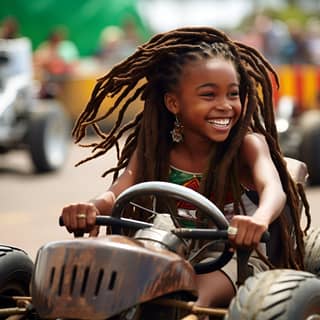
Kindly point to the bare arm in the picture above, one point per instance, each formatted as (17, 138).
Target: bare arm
(104, 202)
(82, 216)
(256, 157)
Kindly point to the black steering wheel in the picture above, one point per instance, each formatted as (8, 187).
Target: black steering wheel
(178, 192)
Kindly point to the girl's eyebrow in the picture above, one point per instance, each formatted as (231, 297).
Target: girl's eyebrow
(214, 85)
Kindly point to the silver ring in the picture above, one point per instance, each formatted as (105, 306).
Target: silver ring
(81, 216)
(232, 231)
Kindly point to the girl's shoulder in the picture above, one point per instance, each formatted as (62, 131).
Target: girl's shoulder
(253, 144)
(254, 138)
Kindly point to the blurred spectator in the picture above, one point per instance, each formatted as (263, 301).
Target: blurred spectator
(55, 60)
(274, 34)
(296, 50)
(9, 28)
(110, 49)
(249, 36)
(313, 40)
(132, 37)
(56, 55)
(117, 43)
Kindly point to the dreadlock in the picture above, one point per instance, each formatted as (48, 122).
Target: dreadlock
(154, 69)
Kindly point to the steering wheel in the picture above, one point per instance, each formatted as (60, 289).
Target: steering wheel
(178, 192)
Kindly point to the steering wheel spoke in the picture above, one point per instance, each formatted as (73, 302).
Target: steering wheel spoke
(169, 190)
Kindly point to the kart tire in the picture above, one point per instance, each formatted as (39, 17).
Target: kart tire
(278, 295)
(15, 273)
(48, 138)
(312, 252)
(310, 144)
(310, 154)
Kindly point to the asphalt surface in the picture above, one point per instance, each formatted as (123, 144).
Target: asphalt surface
(30, 204)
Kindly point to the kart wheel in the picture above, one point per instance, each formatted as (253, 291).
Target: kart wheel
(310, 153)
(278, 295)
(15, 273)
(312, 252)
(310, 144)
(48, 138)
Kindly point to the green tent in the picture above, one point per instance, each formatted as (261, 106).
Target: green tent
(83, 19)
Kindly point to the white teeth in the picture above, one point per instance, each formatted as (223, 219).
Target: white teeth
(220, 122)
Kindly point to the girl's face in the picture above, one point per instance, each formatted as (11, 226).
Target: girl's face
(206, 100)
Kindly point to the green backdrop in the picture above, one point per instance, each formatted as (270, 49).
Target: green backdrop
(84, 19)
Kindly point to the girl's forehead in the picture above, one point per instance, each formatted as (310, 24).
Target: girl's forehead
(214, 64)
(210, 70)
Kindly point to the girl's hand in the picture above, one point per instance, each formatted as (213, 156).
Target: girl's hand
(246, 231)
(81, 217)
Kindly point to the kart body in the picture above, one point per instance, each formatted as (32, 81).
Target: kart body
(101, 278)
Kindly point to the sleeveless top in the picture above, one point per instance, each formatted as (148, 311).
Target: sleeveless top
(192, 180)
(187, 212)
(186, 179)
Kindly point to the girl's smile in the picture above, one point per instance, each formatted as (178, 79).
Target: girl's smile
(222, 123)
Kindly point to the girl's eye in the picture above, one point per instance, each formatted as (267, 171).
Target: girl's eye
(234, 94)
(207, 94)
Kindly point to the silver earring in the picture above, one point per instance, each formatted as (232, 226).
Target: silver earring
(177, 131)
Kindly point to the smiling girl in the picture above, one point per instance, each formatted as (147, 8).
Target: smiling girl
(207, 123)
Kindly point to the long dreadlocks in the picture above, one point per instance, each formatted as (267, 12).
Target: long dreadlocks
(153, 70)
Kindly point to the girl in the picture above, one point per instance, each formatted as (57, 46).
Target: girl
(208, 118)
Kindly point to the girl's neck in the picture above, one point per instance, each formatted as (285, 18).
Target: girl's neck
(189, 158)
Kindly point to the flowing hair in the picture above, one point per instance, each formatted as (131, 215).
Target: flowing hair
(154, 69)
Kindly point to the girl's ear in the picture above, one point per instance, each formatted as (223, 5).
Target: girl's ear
(171, 103)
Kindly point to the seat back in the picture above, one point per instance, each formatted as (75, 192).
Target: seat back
(299, 172)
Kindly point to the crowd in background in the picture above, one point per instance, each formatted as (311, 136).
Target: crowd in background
(57, 56)
(281, 43)
(284, 43)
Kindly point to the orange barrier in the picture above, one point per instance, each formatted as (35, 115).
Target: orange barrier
(301, 81)
(76, 93)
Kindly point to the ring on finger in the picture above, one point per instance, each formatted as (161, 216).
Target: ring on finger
(81, 216)
(232, 231)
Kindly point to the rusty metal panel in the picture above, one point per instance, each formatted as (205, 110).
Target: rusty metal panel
(98, 278)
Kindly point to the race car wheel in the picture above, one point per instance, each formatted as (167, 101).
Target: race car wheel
(312, 252)
(278, 295)
(15, 273)
(48, 138)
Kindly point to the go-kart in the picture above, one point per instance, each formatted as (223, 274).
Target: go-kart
(149, 273)
(28, 122)
(299, 136)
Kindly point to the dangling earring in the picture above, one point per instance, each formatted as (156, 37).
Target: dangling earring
(177, 131)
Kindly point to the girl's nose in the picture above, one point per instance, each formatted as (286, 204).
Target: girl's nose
(223, 105)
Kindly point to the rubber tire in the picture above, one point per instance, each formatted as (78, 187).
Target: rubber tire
(16, 269)
(312, 252)
(310, 154)
(282, 294)
(51, 123)
(309, 151)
